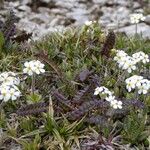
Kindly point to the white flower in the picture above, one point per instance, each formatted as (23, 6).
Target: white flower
(29, 67)
(124, 61)
(9, 92)
(116, 104)
(97, 91)
(9, 78)
(34, 66)
(120, 55)
(141, 56)
(4, 93)
(144, 86)
(136, 79)
(145, 59)
(130, 84)
(38, 67)
(14, 93)
(102, 90)
(110, 98)
(129, 64)
(89, 23)
(136, 18)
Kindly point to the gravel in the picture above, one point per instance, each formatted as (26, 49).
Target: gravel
(46, 16)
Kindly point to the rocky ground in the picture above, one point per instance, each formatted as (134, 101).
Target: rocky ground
(43, 16)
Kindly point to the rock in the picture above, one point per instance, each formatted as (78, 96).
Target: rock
(140, 10)
(24, 8)
(14, 4)
(104, 23)
(59, 11)
(123, 2)
(44, 10)
(79, 14)
(136, 5)
(25, 2)
(147, 20)
(142, 29)
(46, 1)
(41, 18)
(112, 26)
(65, 13)
(101, 2)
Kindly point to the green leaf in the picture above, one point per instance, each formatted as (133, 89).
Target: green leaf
(2, 41)
(34, 98)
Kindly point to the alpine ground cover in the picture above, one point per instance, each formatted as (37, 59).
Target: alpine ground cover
(81, 88)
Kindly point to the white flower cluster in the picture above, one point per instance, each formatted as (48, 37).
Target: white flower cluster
(108, 97)
(127, 62)
(9, 78)
(136, 18)
(140, 57)
(138, 82)
(34, 66)
(8, 86)
(89, 23)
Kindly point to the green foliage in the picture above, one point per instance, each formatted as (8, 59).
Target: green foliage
(134, 126)
(2, 119)
(31, 145)
(73, 59)
(27, 124)
(33, 98)
(2, 41)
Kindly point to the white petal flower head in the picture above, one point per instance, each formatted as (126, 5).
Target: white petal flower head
(110, 98)
(144, 86)
(4, 93)
(116, 104)
(145, 59)
(29, 67)
(88, 23)
(130, 84)
(120, 55)
(9, 78)
(39, 67)
(136, 79)
(136, 18)
(129, 65)
(105, 91)
(34, 66)
(6, 79)
(141, 57)
(14, 93)
(102, 90)
(98, 90)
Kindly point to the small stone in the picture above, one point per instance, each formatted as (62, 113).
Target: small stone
(24, 8)
(46, 1)
(101, 2)
(142, 29)
(112, 26)
(25, 2)
(147, 20)
(136, 5)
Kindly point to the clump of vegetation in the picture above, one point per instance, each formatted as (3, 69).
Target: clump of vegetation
(76, 89)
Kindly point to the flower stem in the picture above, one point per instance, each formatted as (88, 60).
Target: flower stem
(136, 29)
(33, 84)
